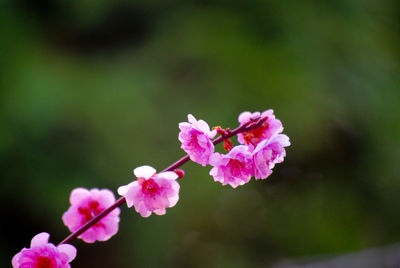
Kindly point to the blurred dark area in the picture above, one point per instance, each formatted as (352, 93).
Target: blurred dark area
(89, 90)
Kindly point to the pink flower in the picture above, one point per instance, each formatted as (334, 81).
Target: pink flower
(43, 254)
(268, 153)
(270, 127)
(85, 205)
(234, 168)
(151, 192)
(195, 137)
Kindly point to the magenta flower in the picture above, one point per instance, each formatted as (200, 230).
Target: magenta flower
(85, 205)
(43, 254)
(268, 153)
(234, 168)
(270, 127)
(151, 192)
(195, 137)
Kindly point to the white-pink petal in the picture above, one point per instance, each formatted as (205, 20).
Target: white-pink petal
(161, 211)
(69, 250)
(144, 172)
(268, 112)
(40, 239)
(191, 119)
(123, 190)
(169, 175)
(244, 116)
(107, 197)
(142, 209)
(203, 126)
(15, 259)
(77, 195)
(284, 140)
(173, 200)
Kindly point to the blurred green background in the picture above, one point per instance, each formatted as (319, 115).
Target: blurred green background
(92, 89)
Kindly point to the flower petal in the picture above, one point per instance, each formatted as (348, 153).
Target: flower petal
(244, 117)
(161, 211)
(107, 197)
(203, 126)
(122, 190)
(143, 210)
(40, 239)
(15, 259)
(144, 172)
(133, 194)
(173, 200)
(191, 119)
(89, 236)
(77, 195)
(69, 250)
(169, 175)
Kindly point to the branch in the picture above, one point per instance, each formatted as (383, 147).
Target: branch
(251, 125)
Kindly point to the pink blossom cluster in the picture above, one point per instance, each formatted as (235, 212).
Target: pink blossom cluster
(94, 216)
(44, 254)
(261, 148)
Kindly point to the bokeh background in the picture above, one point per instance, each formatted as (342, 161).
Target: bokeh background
(92, 89)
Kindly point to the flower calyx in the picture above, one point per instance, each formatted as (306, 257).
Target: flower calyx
(224, 133)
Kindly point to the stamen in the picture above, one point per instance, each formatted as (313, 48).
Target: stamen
(150, 187)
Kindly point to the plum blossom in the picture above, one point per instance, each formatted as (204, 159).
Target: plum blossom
(268, 153)
(43, 254)
(195, 137)
(270, 127)
(234, 168)
(85, 205)
(151, 192)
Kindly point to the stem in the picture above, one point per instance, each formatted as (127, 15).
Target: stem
(253, 124)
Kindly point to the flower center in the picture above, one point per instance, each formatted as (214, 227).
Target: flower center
(44, 262)
(90, 211)
(193, 143)
(256, 135)
(236, 167)
(150, 187)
